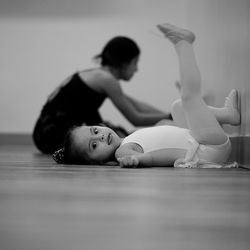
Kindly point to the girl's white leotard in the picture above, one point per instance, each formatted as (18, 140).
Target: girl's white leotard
(171, 137)
(160, 137)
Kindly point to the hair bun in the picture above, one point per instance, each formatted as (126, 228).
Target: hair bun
(59, 156)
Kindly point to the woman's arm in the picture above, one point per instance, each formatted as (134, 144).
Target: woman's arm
(138, 118)
(143, 107)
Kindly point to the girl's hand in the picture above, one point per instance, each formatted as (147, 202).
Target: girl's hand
(128, 161)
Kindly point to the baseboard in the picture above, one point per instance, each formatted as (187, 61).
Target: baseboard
(15, 139)
(240, 150)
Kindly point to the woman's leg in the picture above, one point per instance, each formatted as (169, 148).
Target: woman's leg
(201, 121)
(229, 114)
(50, 130)
(48, 136)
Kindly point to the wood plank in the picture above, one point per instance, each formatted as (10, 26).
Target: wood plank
(48, 206)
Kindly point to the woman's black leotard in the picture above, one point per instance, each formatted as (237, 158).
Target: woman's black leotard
(70, 105)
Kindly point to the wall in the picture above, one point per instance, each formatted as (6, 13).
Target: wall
(44, 41)
(223, 51)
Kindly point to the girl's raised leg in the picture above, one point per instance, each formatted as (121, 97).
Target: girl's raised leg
(201, 121)
(228, 114)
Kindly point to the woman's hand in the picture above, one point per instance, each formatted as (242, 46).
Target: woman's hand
(128, 161)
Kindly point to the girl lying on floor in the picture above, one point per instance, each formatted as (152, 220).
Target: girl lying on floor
(203, 142)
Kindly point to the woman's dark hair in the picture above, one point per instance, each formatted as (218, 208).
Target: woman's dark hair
(118, 51)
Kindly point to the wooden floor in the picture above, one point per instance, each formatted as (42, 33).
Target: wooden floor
(44, 206)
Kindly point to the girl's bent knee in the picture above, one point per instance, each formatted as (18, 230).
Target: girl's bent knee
(176, 106)
(210, 137)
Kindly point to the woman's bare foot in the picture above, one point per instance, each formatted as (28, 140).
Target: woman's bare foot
(176, 34)
(231, 106)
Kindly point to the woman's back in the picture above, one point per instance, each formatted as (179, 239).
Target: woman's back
(74, 97)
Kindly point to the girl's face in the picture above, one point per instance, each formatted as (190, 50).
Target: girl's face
(96, 143)
(128, 70)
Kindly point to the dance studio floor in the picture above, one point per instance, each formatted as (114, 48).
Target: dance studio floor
(45, 206)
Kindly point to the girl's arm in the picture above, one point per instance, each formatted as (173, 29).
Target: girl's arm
(128, 155)
(138, 118)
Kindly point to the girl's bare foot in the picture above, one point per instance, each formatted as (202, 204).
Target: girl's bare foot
(176, 34)
(231, 105)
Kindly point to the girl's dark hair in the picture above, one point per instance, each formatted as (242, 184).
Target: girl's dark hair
(118, 51)
(70, 154)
